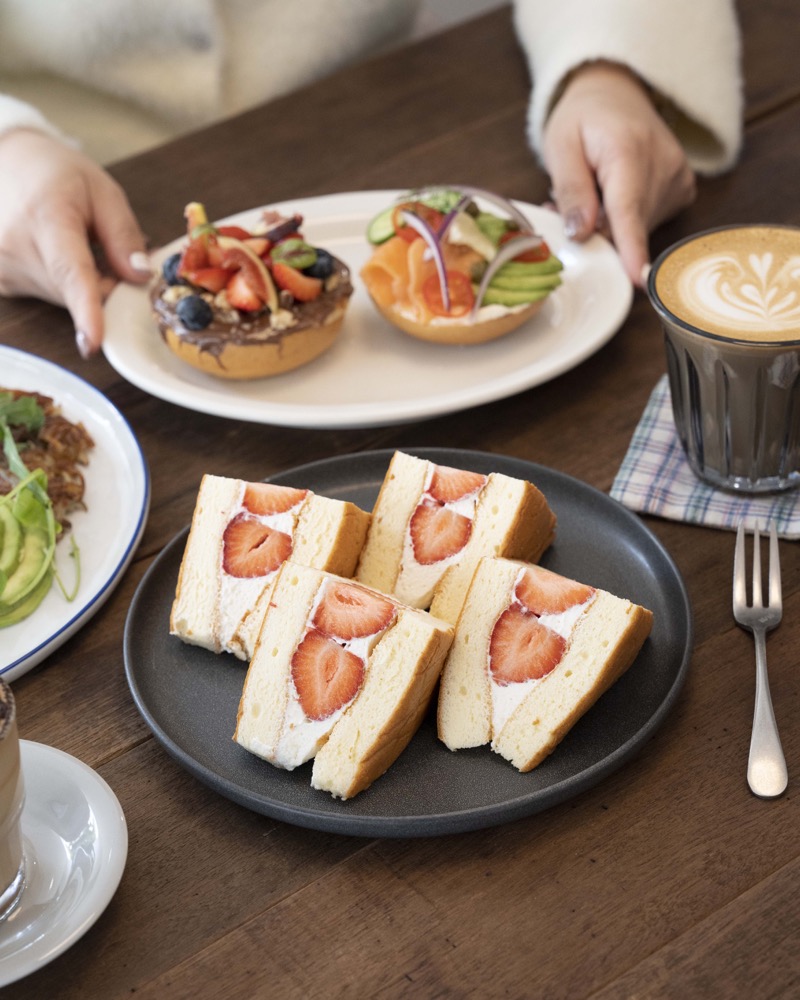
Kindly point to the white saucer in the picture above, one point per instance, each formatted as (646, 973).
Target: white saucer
(76, 842)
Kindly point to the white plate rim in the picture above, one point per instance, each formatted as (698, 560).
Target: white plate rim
(134, 349)
(110, 839)
(52, 380)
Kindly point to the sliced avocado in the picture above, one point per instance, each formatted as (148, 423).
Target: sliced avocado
(10, 540)
(25, 607)
(492, 226)
(33, 563)
(525, 282)
(550, 266)
(506, 297)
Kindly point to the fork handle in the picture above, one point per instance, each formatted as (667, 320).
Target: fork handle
(766, 767)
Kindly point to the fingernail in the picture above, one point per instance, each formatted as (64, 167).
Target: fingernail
(644, 275)
(84, 345)
(139, 261)
(573, 223)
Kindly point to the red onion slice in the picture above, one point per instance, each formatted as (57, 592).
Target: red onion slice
(508, 251)
(495, 199)
(432, 240)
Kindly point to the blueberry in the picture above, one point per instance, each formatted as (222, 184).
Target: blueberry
(322, 266)
(195, 313)
(170, 270)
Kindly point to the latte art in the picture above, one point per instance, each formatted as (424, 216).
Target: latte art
(758, 293)
(742, 283)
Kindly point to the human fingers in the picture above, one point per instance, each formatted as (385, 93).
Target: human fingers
(72, 277)
(574, 189)
(624, 203)
(117, 230)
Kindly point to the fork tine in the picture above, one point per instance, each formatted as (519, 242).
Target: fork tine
(774, 568)
(739, 585)
(758, 593)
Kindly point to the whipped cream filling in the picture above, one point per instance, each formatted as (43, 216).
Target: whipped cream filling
(416, 582)
(301, 737)
(506, 698)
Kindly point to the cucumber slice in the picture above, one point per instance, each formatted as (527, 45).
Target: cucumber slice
(381, 228)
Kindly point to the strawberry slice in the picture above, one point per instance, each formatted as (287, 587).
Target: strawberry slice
(301, 286)
(251, 548)
(194, 257)
(448, 485)
(267, 498)
(521, 648)
(348, 611)
(213, 279)
(546, 593)
(326, 675)
(241, 295)
(437, 532)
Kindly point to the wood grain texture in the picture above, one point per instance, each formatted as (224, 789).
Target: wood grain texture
(667, 880)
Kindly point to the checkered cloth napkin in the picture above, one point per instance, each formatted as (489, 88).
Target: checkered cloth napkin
(655, 478)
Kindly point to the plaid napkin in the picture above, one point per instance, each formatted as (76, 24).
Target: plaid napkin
(655, 478)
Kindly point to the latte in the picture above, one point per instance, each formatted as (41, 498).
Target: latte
(738, 282)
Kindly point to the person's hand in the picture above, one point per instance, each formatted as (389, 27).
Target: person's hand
(54, 203)
(614, 162)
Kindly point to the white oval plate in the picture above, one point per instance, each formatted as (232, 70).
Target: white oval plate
(117, 499)
(75, 840)
(375, 374)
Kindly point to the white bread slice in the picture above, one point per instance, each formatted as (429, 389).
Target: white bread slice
(214, 609)
(356, 743)
(526, 721)
(402, 673)
(511, 518)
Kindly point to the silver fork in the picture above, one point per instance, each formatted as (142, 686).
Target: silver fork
(766, 767)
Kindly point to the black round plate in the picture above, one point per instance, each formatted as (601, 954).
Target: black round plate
(189, 696)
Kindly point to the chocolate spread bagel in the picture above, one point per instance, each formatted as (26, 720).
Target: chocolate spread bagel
(242, 305)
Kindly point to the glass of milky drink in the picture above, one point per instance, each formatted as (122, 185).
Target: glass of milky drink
(12, 797)
(729, 303)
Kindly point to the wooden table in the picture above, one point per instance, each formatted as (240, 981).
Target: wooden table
(667, 879)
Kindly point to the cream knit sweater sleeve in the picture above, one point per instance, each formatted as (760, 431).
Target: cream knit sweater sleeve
(686, 50)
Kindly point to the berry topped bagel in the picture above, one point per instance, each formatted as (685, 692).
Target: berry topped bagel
(448, 269)
(245, 304)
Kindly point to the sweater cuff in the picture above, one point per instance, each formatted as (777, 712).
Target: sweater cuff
(16, 114)
(687, 52)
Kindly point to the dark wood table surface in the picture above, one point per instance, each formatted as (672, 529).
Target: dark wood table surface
(668, 878)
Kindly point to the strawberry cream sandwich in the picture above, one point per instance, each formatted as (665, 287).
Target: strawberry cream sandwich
(533, 652)
(241, 534)
(340, 673)
(432, 524)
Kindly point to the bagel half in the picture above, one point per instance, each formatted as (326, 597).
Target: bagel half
(462, 332)
(226, 355)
